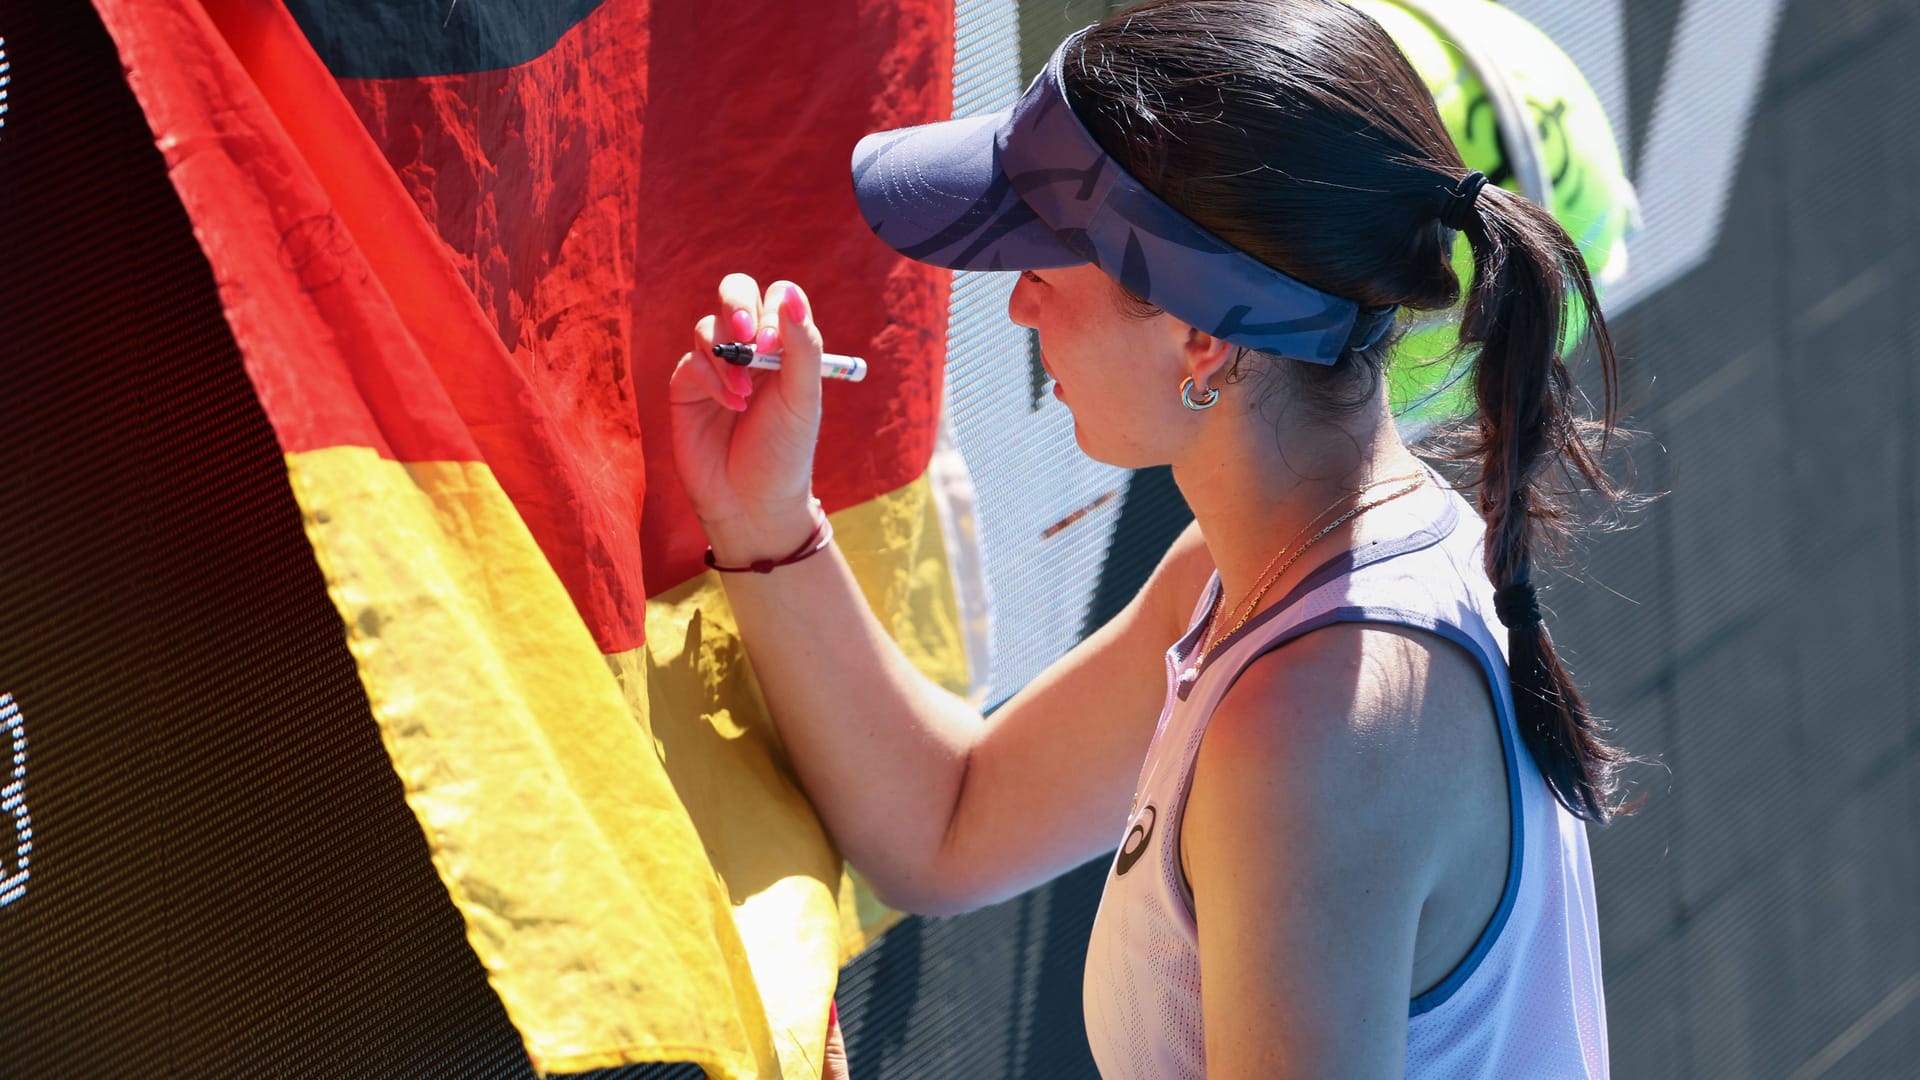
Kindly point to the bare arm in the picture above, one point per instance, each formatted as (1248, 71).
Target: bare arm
(940, 809)
(1051, 774)
(1308, 933)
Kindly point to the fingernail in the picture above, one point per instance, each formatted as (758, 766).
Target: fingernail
(767, 342)
(742, 326)
(794, 306)
(736, 403)
(739, 382)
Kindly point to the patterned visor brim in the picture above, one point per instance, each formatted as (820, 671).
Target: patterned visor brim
(1030, 188)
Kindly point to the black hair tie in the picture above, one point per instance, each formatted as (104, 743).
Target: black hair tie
(1458, 210)
(1516, 605)
(1369, 327)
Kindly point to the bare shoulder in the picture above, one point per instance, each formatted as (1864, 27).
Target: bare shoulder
(1313, 843)
(1377, 725)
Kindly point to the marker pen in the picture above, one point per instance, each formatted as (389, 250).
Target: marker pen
(832, 365)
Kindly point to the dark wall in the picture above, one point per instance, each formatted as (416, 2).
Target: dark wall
(1758, 918)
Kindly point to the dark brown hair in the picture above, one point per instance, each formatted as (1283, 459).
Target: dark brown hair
(1297, 131)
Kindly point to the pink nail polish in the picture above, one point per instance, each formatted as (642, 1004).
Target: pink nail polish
(794, 307)
(767, 342)
(742, 326)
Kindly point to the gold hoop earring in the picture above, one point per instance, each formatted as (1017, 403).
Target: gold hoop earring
(1186, 396)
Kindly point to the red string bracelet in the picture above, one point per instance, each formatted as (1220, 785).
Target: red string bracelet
(816, 542)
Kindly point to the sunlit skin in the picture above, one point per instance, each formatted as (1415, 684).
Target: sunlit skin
(1345, 833)
(1253, 475)
(1344, 836)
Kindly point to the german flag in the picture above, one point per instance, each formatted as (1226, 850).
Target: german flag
(460, 246)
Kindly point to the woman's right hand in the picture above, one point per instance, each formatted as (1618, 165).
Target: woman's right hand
(743, 440)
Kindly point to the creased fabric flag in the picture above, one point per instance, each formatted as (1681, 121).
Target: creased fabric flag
(460, 251)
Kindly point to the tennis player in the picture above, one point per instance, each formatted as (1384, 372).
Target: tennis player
(1340, 774)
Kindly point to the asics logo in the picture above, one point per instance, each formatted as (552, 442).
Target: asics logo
(1136, 843)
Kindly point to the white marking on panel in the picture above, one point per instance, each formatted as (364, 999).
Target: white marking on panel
(1695, 135)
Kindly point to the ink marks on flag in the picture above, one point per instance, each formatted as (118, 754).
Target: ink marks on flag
(315, 250)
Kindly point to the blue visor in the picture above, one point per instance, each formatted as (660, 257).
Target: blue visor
(1030, 189)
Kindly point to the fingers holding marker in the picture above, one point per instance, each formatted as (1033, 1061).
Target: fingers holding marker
(800, 345)
(693, 382)
(797, 337)
(766, 338)
(739, 292)
(793, 307)
(740, 311)
(737, 378)
(784, 328)
(716, 375)
(742, 325)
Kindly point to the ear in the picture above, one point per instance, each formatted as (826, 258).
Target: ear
(1206, 357)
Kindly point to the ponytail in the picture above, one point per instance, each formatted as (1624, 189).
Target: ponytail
(1526, 433)
(1313, 145)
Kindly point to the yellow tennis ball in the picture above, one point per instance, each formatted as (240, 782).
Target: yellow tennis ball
(1588, 190)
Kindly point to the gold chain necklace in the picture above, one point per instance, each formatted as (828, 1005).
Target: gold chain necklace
(1268, 581)
(1212, 616)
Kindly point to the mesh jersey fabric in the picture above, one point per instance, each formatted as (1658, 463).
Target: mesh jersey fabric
(1526, 1002)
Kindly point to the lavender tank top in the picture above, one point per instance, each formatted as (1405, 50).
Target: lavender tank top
(1525, 1002)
